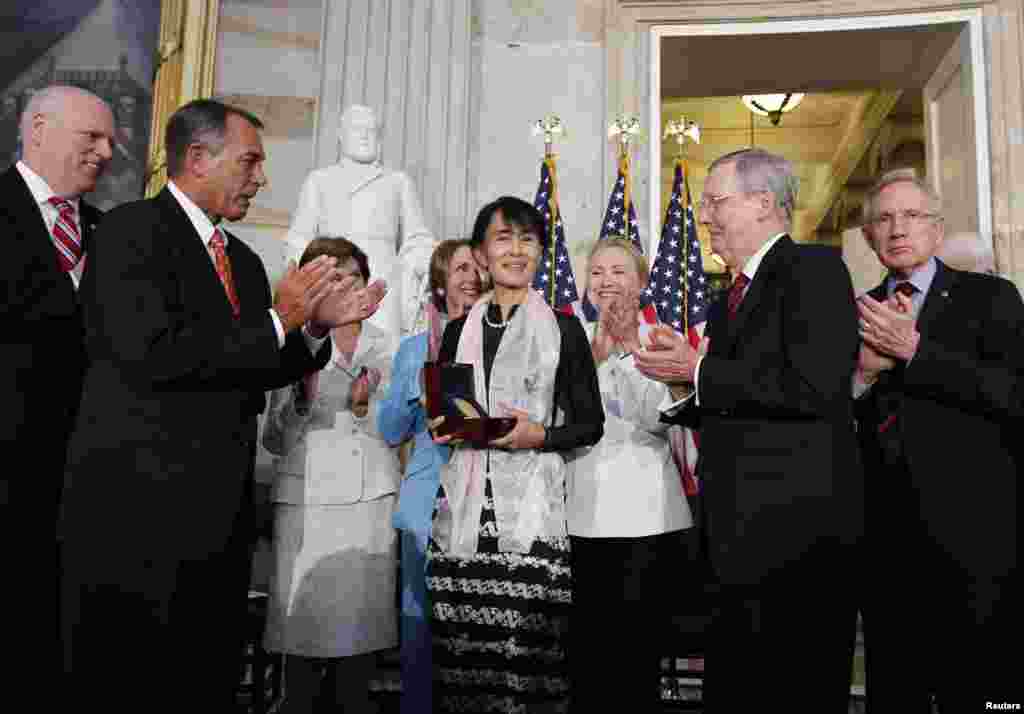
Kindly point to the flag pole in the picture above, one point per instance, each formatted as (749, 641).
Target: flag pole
(549, 159)
(549, 127)
(680, 129)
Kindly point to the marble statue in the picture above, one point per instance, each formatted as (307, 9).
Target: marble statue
(377, 209)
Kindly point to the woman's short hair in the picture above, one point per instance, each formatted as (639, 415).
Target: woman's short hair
(516, 212)
(339, 248)
(627, 246)
(440, 259)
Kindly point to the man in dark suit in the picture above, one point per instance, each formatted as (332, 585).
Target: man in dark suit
(939, 404)
(183, 339)
(782, 484)
(46, 228)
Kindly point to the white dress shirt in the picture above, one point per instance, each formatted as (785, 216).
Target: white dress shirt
(204, 228)
(42, 193)
(750, 270)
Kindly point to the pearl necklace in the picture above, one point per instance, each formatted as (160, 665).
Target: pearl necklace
(499, 326)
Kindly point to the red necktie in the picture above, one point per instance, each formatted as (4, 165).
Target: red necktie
(65, 234)
(736, 294)
(223, 265)
(905, 288)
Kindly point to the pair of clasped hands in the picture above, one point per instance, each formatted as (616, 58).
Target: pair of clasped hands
(321, 297)
(888, 333)
(666, 357)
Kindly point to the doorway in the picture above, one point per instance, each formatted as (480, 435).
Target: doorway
(873, 65)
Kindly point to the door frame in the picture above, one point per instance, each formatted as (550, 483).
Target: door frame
(972, 18)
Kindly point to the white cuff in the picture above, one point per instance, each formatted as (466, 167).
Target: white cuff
(313, 343)
(696, 380)
(278, 328)
(669, 407)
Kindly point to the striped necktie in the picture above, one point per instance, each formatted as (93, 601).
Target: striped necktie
(223, 265)
(66, 237)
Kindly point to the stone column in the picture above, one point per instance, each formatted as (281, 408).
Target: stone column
(411, 61)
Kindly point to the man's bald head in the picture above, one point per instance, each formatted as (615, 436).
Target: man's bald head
(67, 138)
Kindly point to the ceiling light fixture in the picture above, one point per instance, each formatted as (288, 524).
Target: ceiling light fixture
(772, 106)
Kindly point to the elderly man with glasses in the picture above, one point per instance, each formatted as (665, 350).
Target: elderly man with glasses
(781, 507)
(938, 402)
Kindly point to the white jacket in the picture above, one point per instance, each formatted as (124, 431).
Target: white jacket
(627, 485)
(327, 455)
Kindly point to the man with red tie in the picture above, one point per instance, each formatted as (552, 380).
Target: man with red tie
(183, 339)
(781, 505)
(46, 229)
(939, 403)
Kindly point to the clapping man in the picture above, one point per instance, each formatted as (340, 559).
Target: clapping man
(183, 339)
(781, 479)
(939, 405)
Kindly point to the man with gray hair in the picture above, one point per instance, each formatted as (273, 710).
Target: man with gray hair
(782, 487)
(939, 406)
(46, 227)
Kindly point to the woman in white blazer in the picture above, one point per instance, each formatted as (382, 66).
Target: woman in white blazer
(628, 519)
(332, 599)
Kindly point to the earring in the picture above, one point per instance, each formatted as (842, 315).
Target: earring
(440, 292)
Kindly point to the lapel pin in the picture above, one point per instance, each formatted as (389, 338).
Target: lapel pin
(945, 293)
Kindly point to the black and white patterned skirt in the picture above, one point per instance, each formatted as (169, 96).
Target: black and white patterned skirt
(500, 624)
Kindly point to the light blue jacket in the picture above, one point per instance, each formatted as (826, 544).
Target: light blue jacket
(400, 415)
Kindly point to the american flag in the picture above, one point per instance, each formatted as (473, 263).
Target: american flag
(619, 220)
(615, 217)
(554, 278)
(678, 288)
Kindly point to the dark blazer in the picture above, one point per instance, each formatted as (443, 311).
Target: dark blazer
(41, 354)
(961, 409)
(778, 455)
(161, 460)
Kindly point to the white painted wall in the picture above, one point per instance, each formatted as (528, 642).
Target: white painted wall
(537, 58)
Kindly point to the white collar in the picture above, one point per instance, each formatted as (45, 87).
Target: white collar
(200, 221)
(754, 262)
(41, 191)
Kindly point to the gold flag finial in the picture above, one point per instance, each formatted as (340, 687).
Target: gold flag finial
(550, 127)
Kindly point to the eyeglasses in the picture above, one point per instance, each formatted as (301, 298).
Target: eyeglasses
(710, 201)
(911, 217)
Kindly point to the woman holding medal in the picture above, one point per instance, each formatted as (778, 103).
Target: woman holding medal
(498, 560)
(454, 288)
(334, 568)
(629, 521)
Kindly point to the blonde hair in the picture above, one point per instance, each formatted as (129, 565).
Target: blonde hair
(626, 245)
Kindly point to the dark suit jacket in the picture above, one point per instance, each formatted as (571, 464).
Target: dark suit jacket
(778, 456)
(961, 410)
(41, 355)
(160, 464)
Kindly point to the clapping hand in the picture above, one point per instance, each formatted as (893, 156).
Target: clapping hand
(301, 291)
(344, 306)
(669, 357)
(622, 321)
(888, 327)
(362, 389)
